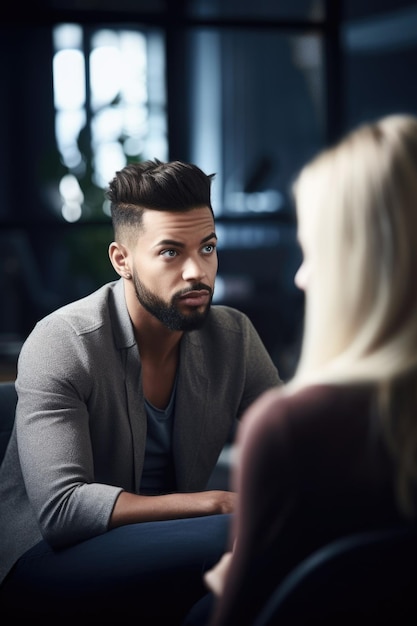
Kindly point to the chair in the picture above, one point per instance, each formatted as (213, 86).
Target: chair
(8, 400)
(368, 578)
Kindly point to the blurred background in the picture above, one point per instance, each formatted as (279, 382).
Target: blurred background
(246, 90)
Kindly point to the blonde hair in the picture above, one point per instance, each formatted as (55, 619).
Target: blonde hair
(357, 216)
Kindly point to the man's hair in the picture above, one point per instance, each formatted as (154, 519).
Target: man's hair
(174, 186)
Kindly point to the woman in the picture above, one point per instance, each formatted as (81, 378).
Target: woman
(334, 452)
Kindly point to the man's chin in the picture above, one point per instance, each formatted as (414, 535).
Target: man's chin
(194, 322)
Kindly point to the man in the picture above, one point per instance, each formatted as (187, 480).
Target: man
(125, 401)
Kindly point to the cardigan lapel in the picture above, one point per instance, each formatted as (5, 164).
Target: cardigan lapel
(192, 410)
(136, 411)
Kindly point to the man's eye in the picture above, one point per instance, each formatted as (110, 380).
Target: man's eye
(209, 248)
(169, 253)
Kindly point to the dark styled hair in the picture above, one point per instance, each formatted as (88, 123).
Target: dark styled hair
(172, 186)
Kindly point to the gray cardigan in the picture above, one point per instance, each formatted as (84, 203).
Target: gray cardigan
(80, 430)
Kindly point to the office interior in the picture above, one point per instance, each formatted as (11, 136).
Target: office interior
(246, 90)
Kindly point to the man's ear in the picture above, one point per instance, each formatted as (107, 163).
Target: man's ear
(119, 257)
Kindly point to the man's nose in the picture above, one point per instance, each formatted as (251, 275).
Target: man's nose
(193, 269)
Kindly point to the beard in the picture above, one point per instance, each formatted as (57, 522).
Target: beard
(169, 314)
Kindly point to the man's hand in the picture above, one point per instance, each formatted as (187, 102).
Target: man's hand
(215, 577)
(218, 501)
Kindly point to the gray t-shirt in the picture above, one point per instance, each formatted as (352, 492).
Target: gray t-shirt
(158, 470)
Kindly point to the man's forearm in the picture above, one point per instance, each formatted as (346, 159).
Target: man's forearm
(132, 508)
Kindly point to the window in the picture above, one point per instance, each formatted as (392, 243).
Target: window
(257, 113)
(109, 109)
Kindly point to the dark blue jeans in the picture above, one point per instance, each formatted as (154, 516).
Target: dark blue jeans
(151, 571)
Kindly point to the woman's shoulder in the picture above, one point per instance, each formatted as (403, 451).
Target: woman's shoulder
(311, 407)
(287, 399)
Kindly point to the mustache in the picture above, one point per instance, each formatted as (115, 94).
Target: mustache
(195, 287)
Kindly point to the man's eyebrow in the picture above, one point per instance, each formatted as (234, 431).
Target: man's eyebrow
(180, 244)
(211, 236)
(169, 242)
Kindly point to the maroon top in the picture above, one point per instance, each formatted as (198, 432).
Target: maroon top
(314, 467)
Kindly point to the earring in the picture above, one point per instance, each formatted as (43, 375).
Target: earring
(128, 276)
